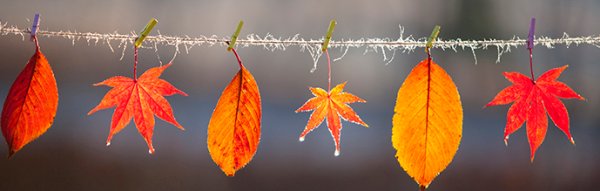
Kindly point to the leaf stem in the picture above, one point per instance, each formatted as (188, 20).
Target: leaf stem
(37, 45)
(428, 54)
(135, 62)
(531, 64)
(237, 57)
(329, 70)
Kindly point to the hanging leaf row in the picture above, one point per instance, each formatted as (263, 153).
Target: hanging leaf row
(427, 120)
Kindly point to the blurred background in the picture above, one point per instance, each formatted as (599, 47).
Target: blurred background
(72, 154)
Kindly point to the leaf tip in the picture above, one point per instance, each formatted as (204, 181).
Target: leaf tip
(532, 156)
(178, 126)
(336, 153)
(301, 139)
(230, 174)
(506, 140)
(107, 143)
(151, 150)
(572, 141)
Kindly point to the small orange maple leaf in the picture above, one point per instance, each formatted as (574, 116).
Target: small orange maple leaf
(331, 105)
(140, 99)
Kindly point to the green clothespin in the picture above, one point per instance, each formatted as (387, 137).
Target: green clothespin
(235, 35)
(145, 32)
(328, 35)
(432, 37)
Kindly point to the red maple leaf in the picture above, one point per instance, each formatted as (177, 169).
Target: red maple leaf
(532, 99)
(331, 105)
(140, 99)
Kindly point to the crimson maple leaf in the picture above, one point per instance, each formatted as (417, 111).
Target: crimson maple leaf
(532, 99)
(331, 105)
(140, 99)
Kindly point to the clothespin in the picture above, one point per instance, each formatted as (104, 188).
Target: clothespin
(432, 37)
(35, 26)
(235, 35)
(145, 32)
(531, 34)
(328, 35)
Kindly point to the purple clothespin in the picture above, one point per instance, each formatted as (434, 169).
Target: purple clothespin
(35, 25)
(531, 34)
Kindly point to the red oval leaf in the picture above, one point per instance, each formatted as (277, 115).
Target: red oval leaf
(31, 104)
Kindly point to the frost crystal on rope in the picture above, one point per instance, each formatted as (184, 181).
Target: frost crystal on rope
(313, 47)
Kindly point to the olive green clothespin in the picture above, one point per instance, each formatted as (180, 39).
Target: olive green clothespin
(432, 37)
(235, 35)
(145, 32)
(328, 35)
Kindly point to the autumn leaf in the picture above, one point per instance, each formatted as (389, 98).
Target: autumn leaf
(31, 104)
(140, 99)
(331, 105)
(532, 99)
(234, 128)
(427, 123)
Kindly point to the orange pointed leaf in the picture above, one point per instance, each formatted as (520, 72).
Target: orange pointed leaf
(31, 104)
(427, 124)
(139, 99)
(234, 128)
(532, 99)
(331, 106)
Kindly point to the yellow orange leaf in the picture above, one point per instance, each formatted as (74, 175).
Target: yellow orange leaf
(234, 128)
(427, 124)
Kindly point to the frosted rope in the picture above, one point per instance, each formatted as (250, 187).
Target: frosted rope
(272, 43)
